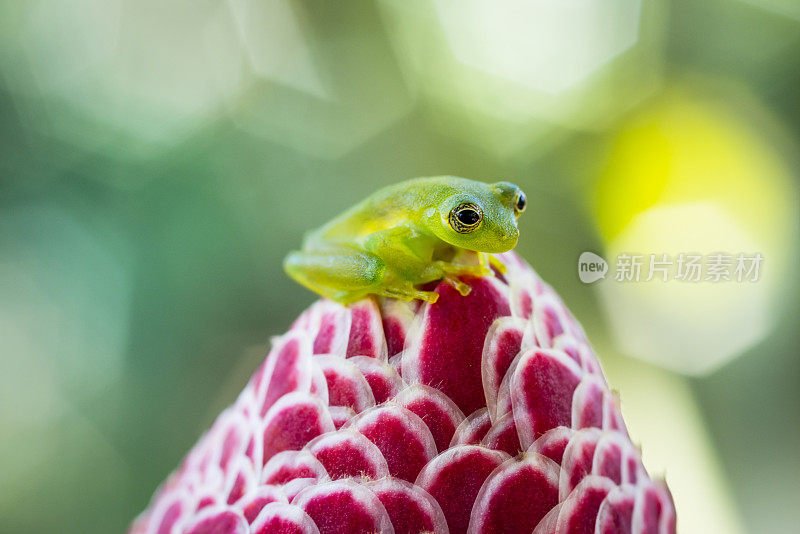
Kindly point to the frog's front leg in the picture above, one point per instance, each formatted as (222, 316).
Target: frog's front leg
(495, 262)
(485, 263)
(469, 263)
(407, 253)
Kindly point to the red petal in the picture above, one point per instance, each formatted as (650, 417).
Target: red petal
(411, 508)
(581, 352)
(473, 429)
(503, 436)
(435, 408)
(653, 510)
(346, 385)
(283, 518)
(366, 331)
(341, 415)
(168, 510)
(241, 479)
(332, 326)
(608, 456)
(552, 443)
(344, 507)
(292, 422)
(294, 487)
(667, 524)
(383, 380)
(616, 511)
(516, 496)
(454, 479)
(348, 453)
(522, 296)
(542, 387)
(579, 512)
(503, 342)
(447, 343)
(398, 316)
(215, 520)
(401, 436)
(252, 505)
(235, 430)
(587, 403)
(578, 459)
(612, 416)
(288, 369)
(289, 465)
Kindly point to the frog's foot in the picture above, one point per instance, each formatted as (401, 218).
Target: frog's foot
(458, 285)
(427, 296)
(499, 266)
(409, 294)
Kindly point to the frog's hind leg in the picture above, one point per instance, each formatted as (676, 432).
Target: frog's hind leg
(342, 274)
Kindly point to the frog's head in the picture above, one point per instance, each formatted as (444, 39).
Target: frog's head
(481, 217)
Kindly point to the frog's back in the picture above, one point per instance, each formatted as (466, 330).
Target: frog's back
(389, 207)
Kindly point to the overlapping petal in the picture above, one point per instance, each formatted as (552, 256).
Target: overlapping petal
(481, 413)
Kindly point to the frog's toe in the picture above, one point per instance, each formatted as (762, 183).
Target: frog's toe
(483, 271)
(429, 296)
(495, 262)
(458, 285)
(409, 293)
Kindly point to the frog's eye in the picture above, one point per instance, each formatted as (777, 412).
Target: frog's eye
(520, 203)
(466, 217)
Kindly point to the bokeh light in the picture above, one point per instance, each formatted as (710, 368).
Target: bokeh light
(81, 71)
(538, 68)
(547, 46)
(680, 179)
(159, 159)
(64, 318)
(65, 301)
(687, 460)
(276, 45)
(787, 8)
(654, 320)
(322, 94)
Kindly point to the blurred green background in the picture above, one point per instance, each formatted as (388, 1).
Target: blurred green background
(158, 159)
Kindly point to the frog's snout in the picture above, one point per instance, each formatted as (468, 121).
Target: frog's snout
(511, 235)
(507, 239)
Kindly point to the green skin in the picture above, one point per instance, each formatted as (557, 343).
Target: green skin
(405, 235)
